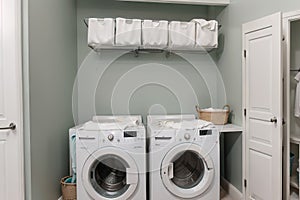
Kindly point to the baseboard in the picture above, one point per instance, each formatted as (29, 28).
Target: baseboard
(233, 192)
(60, 198)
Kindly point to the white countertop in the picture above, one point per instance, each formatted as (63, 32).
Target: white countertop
(229, 128)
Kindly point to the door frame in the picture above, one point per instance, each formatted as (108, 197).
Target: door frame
(288, 18)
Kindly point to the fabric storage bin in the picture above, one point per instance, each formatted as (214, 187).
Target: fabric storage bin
(101, 32)
(206, 33)
(155, 33)
(181, 34)
(128, 32)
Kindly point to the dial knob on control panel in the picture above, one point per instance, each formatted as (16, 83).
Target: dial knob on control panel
(187, 136)
(110, 137)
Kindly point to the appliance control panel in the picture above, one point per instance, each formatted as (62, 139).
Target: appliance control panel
(121, 136)
(196, 134)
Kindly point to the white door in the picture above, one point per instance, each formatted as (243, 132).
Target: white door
(11, 141)
(263, 103)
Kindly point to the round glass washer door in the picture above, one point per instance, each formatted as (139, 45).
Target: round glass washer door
(185, 171)
(110, 173)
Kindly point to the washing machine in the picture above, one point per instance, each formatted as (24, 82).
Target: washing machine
(110, 158)
(184, 159)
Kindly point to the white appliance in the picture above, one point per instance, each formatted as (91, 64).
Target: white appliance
(111, 160)
(183, 160)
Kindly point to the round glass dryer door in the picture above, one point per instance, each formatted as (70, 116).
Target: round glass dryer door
(110, 173)
(185, 172)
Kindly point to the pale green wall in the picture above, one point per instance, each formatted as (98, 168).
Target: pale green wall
(50, 41)
(96, 83)
(52, 67)
(229, 60)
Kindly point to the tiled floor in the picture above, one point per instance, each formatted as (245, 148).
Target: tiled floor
(224, 195)
(227, 197)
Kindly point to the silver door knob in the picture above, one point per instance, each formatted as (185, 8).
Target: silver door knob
(12, 126)
(273, 120)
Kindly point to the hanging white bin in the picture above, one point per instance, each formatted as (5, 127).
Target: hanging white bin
(128, 32)
(155, 33)
(181, 34)
(206, 33)
(101, 32)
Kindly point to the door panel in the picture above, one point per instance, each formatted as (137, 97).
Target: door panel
(263, 101)
(2, 169)
(260, 174)
(260, 131)
(1, 67)
(2, 112)
(260, 47)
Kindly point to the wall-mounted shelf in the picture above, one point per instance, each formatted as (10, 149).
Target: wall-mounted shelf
(193, 2)
(167, 51)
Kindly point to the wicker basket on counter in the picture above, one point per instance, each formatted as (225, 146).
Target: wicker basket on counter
(218, 117)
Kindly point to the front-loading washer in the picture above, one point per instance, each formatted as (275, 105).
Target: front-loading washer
(183, 160)
(111, 160)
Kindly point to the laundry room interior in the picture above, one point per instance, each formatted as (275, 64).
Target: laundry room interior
(66, 83)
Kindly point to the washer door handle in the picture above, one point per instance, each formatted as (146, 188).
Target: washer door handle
(131, 176)
(171, 170)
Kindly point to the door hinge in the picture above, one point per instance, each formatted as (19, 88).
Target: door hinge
(245, 53)
(245, 112)
(245, 183)
(283, 121)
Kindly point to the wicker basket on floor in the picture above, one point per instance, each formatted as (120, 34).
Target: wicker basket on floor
(216, 117)
(68, 189)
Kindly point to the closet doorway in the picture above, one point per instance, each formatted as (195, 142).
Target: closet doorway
(291, 69)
